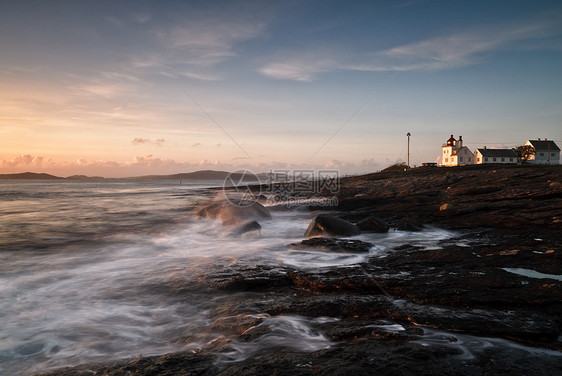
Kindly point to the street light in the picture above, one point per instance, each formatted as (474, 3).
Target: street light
(408, 134)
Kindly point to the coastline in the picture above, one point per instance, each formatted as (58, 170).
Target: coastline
(389, 308)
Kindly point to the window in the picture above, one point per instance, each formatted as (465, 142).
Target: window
(511, 159)
(478, 160)
(461, 159)
(552, 154)
(503, 159)
(494, 159)
(469, 159)
(446, 159)
(486, 159)
(541, 154)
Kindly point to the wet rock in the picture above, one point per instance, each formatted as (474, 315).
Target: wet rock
(523, 325)
(327, 225)
(247, 278)
(409, 226)
(335, 281)
(332, 244)
(230, 214)
(246, 227)
(372, 224)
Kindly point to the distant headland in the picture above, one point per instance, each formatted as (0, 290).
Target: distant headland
(197, 175)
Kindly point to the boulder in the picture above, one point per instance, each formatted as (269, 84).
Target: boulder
(372, 224)
(246, 227)
(230, 214)
(331, 244)
(329, 226)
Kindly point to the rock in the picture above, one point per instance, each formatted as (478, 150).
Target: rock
(327, 225)
(246, 227)
(244, 278)
(230, 214)
(409, 226)
(555, 186)
(372, 224)
(340, 245)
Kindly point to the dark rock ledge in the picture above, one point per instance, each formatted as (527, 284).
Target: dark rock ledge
(506, 217)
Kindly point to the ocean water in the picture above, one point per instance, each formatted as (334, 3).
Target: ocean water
(104, 270)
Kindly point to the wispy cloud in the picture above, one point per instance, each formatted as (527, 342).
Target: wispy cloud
(439, 53)
(207, 40)
(299, 69)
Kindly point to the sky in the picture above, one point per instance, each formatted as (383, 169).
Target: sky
(128, 88)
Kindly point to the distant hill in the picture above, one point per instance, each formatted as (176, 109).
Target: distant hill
(84, 177)
(197, 175)
(28, 176)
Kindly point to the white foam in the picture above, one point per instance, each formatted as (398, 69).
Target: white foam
(288, 331)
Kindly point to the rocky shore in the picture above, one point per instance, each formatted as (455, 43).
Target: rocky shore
(469, 306)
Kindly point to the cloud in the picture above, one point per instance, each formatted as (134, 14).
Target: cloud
(303, 66)
(439, 53)
(297, 70)
(201, 76)
(151, 164)
(345, 168)
(197, 144)
(140, 141)
(204, 40)
(25, 161)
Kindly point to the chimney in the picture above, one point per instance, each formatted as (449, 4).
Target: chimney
(484, 147)
(546, 139)
(538, 139)
(460, 141)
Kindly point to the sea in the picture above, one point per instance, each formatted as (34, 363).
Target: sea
(103, 270)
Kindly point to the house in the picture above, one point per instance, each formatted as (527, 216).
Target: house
(546, 152)
(455, 154)
(503, 156)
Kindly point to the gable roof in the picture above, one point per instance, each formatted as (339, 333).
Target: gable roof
(544, 145)
(456, 152)
(497, 153)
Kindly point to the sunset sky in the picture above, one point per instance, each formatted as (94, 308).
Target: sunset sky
(126, 88)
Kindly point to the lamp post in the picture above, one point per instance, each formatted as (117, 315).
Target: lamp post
(408, 134)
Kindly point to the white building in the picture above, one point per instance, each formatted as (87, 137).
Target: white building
(503, 156)
(455, 154)
(546, 152)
